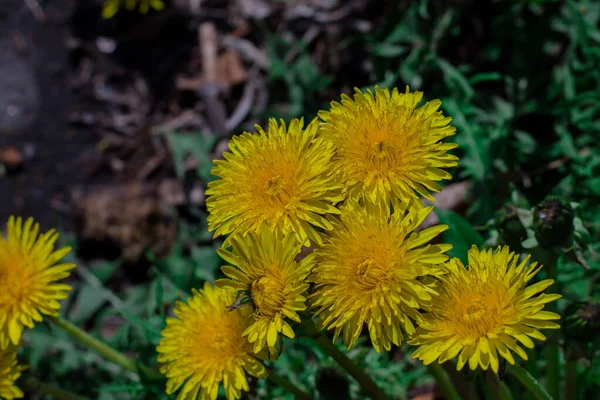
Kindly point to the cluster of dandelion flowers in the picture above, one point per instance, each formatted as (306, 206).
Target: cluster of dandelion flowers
(10, 371)
(269, 275)
(29, 277)
(388, 147)
(111, 7)
(203, 346)
(369, 271)
(485, 311)
(282, 177)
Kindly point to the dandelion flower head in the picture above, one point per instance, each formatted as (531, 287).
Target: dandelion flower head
(202, 347)
(485, 311)
(111, 7)
(10, 371)
(387, 146)
(281, 177)
(274, 281)
(30, 271)
(368, 271)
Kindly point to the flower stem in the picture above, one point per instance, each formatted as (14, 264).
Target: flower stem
(33, 384)
(464, 388)
(288, 385)
(444, 383)
(105, 350)
(531, 366)
(347, 364)
(571, 379)
(499, 388)
(552, 349)
(529, 382)
(327, 346)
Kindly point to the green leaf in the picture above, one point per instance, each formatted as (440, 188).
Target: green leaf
(388, 49)
(206, 262)
(476, 145)
(455, 78)
(199, 146)
(88, 300)
(460, 234)
(485, 77)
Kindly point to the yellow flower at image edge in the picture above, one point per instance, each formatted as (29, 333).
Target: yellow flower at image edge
(275, 282)
(29, 275)
(282, 177)
(10, 371)
(111, 7)
(388, 147)
(203, 347)
(485, 311)
(371, 271)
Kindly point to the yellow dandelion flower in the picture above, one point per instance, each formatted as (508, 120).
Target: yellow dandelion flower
(29, 275)
(203, 346)
(10, 371)
(485, 311)
(369, 271)
(282, 177)
(388, 147)
(111, 7)
(271, 277)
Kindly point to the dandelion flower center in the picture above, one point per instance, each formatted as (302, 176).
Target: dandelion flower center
(275, 187)
(267, 295)
(380, 150)
(371, 274)
(481, 312)
(220, 342)
(478, 319)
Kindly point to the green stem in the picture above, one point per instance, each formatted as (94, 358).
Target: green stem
(105, 350)
(347, 364)
(327, 346)
(571, 380)
(531, 365)
(529, 382)
(32, 384)
(501, 391)
(464, 388)
(552, 349)
(443, 382)
(289, 386)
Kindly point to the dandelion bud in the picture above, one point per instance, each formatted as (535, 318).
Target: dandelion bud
(553, 222)
(582, 321)
(331, 384)
(511, 230)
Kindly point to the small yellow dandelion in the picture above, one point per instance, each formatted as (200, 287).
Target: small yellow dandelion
(111, 7)
(271, 277)
(485, 311)
(369, 271)
(281, 177)
(386, 146)
(203, 347)
(29, 275)
(10, 371)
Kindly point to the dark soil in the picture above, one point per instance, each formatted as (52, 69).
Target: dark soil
(34, 107)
